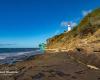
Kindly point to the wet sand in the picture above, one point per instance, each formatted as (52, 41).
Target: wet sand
(57, 66)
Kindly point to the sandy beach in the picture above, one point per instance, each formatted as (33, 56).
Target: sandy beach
(57, 66)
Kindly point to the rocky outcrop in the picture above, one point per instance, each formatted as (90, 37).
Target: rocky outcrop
(71, 39)
(83, 41)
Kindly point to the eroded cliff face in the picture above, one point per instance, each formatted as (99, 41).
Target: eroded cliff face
(83, 41)
(83, 35)
(88, 50)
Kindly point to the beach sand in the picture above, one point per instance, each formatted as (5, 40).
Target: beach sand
(57, 66)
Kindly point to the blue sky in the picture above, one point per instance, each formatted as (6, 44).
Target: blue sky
(26, 23)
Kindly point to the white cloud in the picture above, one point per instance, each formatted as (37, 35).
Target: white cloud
(65, 23)
(73, 24)
(85, 12)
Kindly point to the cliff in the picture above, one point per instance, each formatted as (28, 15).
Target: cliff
(86, 32)
(83, 41)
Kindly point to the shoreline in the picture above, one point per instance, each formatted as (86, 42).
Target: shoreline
(54, 66)
(12, 58)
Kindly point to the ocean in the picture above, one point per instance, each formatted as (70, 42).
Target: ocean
(12, 55)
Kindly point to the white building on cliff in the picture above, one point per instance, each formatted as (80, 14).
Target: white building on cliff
(69, 27)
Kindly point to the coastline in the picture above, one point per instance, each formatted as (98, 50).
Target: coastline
(12, 58)
(56, 66)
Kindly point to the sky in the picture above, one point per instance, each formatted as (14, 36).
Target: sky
(27, 23)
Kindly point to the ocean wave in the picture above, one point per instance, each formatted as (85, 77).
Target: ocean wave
(19, 56)
(2, 57)
(5, 55)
